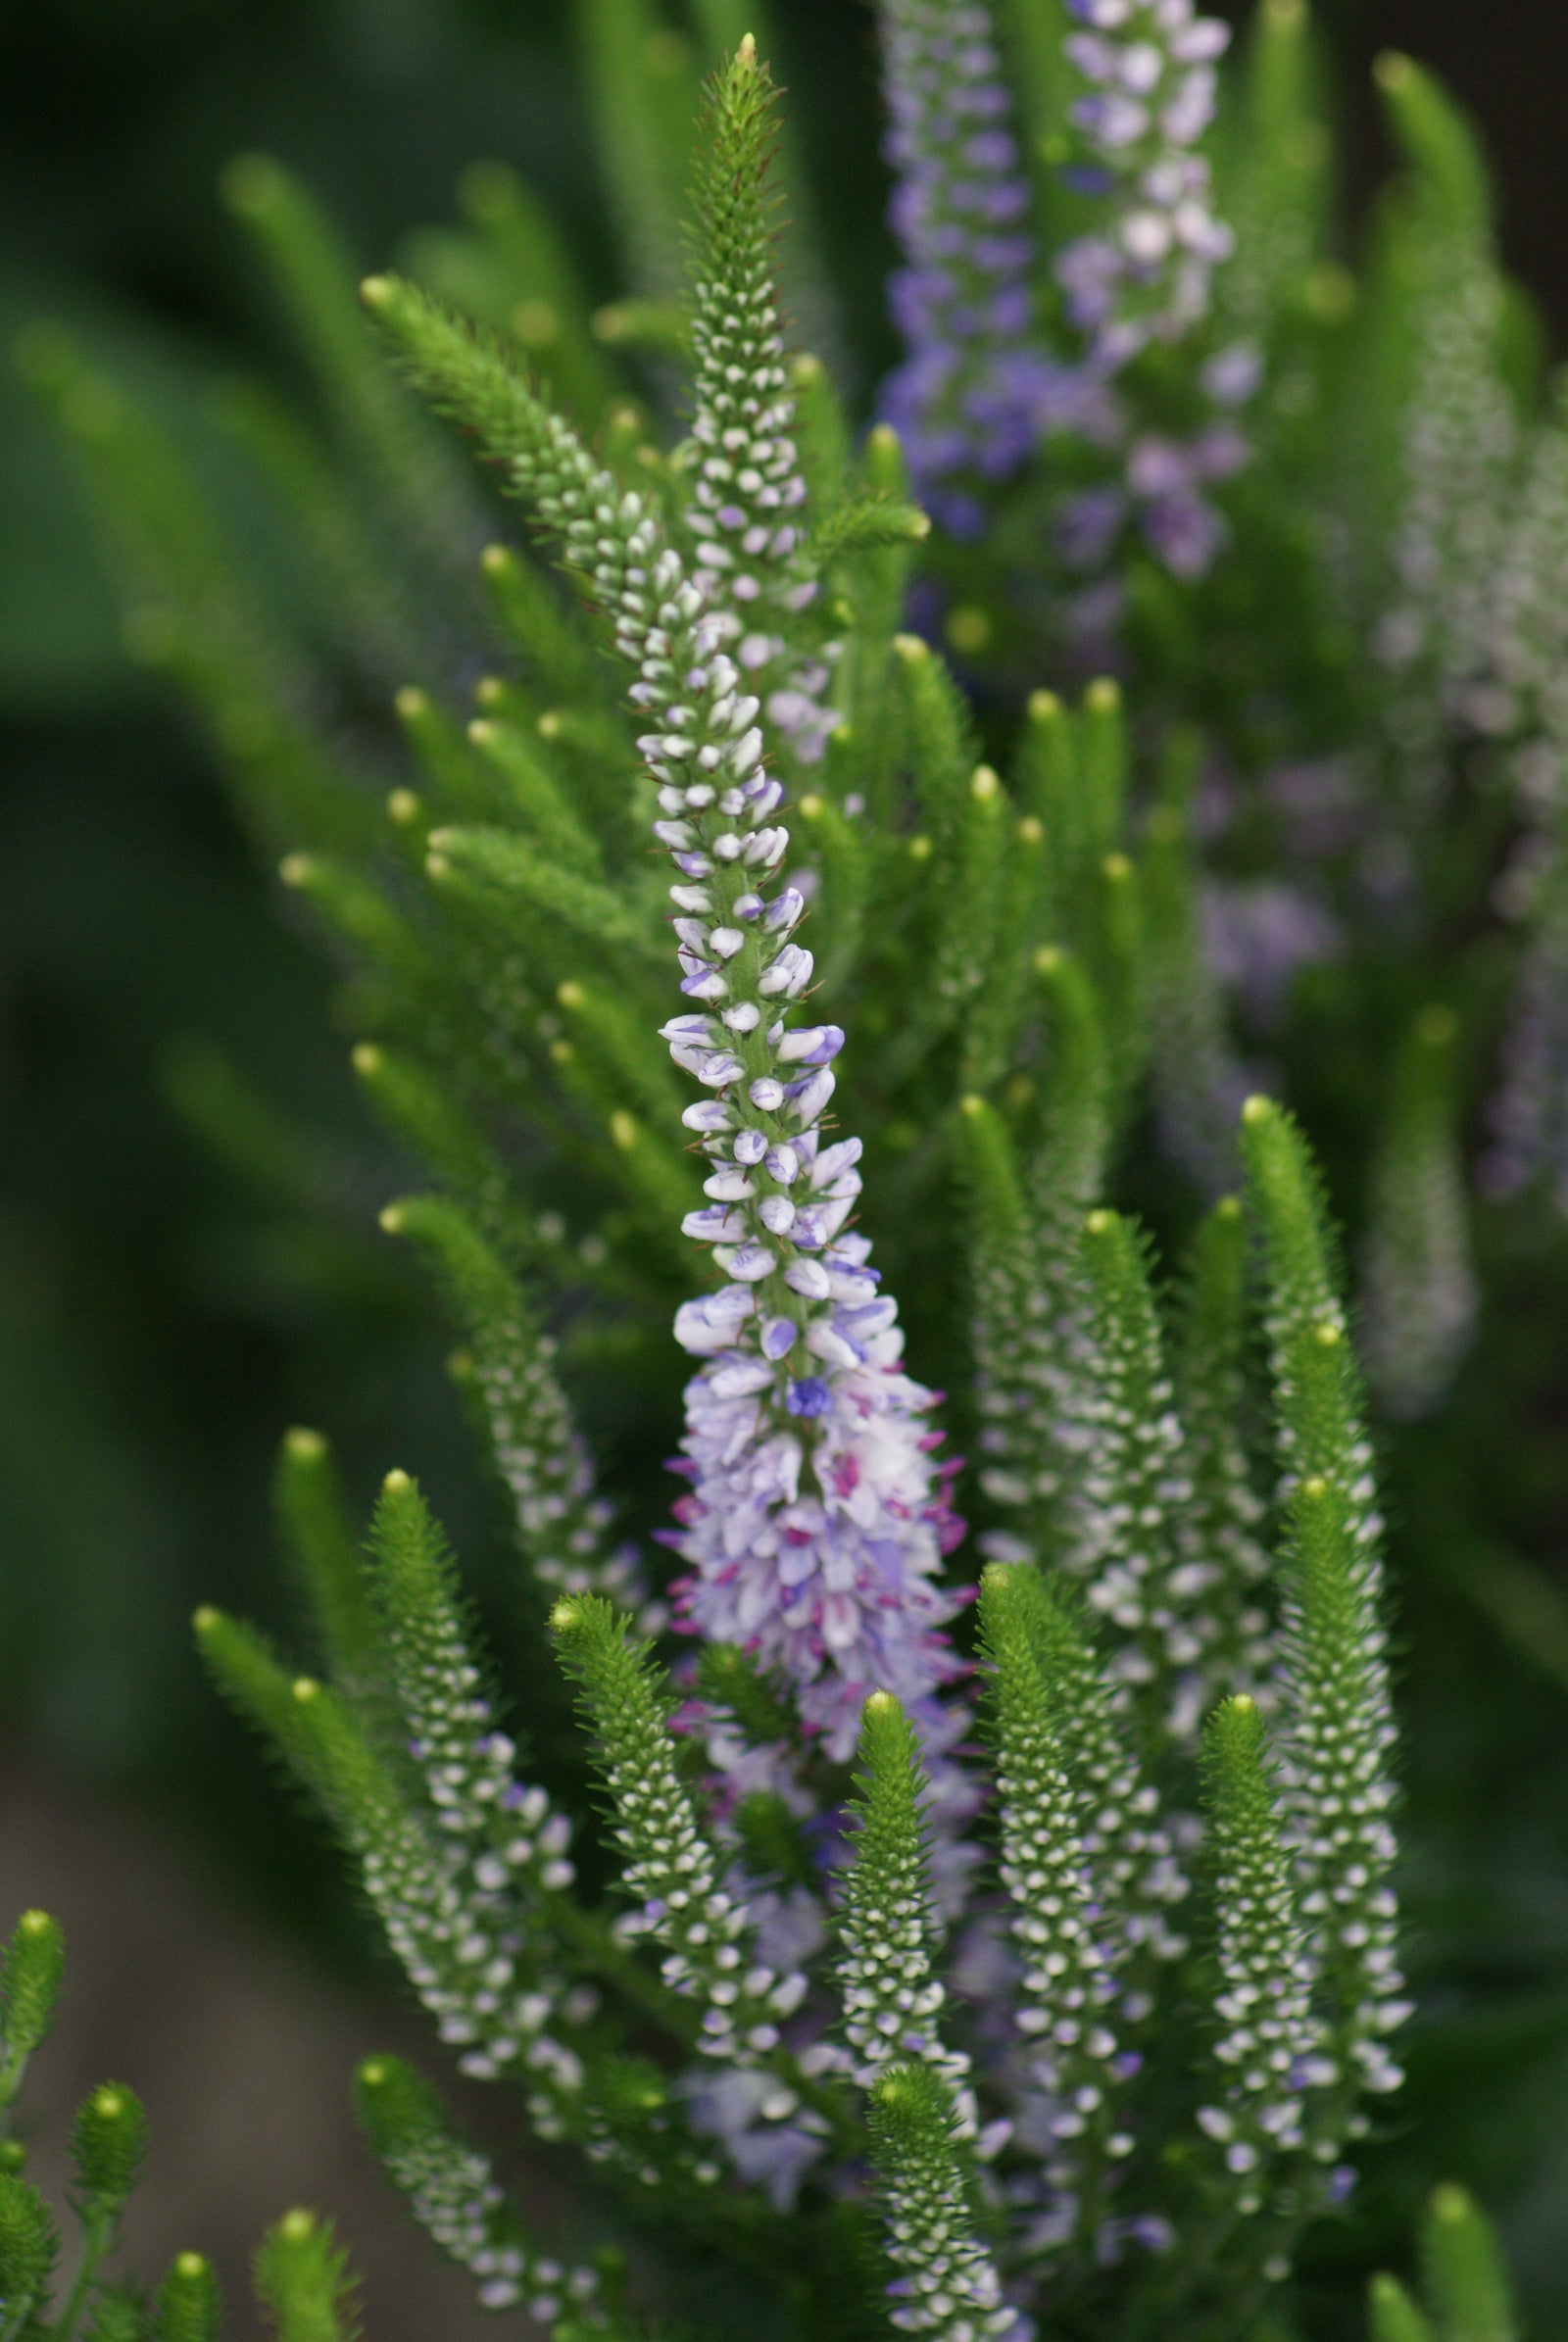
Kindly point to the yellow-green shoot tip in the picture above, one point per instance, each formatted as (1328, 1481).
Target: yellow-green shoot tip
(1393, 71)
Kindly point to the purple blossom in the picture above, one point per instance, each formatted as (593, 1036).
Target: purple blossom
(816, 1521)
(816, 1531)
(975, 390)
(1141, 275)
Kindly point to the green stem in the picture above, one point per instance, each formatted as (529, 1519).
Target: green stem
(97, 2235)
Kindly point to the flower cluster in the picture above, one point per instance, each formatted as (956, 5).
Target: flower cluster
(1143, 275)
(1146, 275)
(976, 390)
(1271, 2045)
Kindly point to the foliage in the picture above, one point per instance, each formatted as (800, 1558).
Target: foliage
(1083, 2029)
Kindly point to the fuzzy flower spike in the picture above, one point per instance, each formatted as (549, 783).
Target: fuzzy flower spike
(746, 523)
(816, 1520)
(1143, 273)
(974, 391)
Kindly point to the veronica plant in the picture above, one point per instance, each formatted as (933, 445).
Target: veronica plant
(810, 1935)
(1036, 1975)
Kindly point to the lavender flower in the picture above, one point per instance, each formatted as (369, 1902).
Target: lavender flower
(816, 1522)
(975, 390)
(1144, 275)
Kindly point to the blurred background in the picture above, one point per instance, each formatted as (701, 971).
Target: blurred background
(165, 1311)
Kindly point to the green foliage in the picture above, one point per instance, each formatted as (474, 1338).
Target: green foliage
(189, 2307)
(1419, 1286)
(29, 1987)
(29, 2248)
(304, 2282)
(108, 2147)
(1465, 2291)
(320, 1539)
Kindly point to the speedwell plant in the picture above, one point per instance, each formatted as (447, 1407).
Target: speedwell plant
(997, 1932)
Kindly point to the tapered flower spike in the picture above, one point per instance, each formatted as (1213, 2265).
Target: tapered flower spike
(453, 2194)
(1285, 1195)
(31, 1972)
(1199, 1085)
(708, 1936)
(1143, 273)
(948, 2285)
(1129, 1856)
(1462, 2271)
(190, 2303)
(1029, 1335)
(1337, 1727)
(1392, 2316)
(1224, 1565)
(1457, 451)
(892, 2001)
(1460, 450)
(672, 1868)
(747, 511)
(1527, 1115)
(1419, 1285)
(1133, 1486)
(803, 1383)
(29, 2248)
(975, 391)
(1069, 1984)
(1271, 2046)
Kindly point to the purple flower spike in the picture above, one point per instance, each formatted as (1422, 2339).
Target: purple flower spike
(974, 393)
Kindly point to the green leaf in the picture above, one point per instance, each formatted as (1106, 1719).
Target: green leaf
(1394, 2316)
(320, 1539)
(1462, 2272)
(488, 862)
(189, 2307)
(108, 2147)
(30, 2246)
(31, 1973)
(304, 2283)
